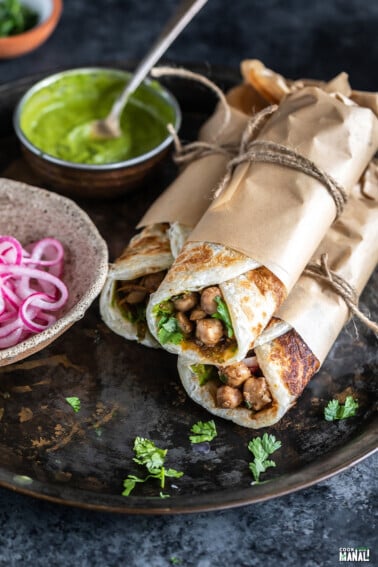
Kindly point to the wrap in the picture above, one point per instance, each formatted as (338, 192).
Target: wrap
(259, 233)
(170, 219)
(297, 340)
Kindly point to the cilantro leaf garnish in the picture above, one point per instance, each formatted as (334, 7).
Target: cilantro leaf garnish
(16, 18)
(261, 448)
(334, 410)
(204, 372)
(152, 457)
(168, 327)
(224, 315)
(169, 330)
(204, 431)
(148, 454)
(74, 402)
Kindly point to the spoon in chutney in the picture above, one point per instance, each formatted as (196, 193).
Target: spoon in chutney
(110, 127)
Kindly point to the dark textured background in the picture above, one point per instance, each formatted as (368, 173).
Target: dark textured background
(297, 38)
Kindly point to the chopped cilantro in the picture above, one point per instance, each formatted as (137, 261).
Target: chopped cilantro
(334, 410)
(204, 431)
(16, 18)
(175, 560)
(261, 448)
(150, 456)
(74, 402)
(224, 315)
(168, 327)
(169, 330)
(163, 495)
(204, 372)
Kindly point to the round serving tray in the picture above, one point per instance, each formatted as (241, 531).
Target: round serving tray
(80, 459)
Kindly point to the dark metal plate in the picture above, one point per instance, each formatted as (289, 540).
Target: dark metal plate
(81, 459)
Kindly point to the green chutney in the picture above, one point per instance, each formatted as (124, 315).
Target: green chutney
(56, 118)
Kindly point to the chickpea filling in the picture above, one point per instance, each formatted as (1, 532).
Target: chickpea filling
(132, 297)
(199, 317)
(238, 385)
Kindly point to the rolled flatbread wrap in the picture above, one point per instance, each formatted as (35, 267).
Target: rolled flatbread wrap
(259, 390)
(251, 245)
(131, 279)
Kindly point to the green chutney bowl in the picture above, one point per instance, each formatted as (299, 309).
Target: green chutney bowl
(52, 123)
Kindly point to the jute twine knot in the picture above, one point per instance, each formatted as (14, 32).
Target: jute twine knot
(263, 151)
(187, 153)
(341, 287)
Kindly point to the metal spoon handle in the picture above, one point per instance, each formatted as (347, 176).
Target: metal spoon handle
(181, 18)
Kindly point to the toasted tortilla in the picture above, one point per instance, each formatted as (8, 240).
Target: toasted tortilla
(287, 365)
(147, 253)
(252, 294)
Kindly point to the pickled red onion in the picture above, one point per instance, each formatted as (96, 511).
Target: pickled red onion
(30, 287)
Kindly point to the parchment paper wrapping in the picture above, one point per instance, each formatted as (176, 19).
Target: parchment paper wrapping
(190, 194)
(276, 215)
(170, 219)
(257, 236)
(289, 357)
(313, 309)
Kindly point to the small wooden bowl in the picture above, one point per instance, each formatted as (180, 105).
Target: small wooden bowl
(88, 180)
(49, 12)
(29, 214)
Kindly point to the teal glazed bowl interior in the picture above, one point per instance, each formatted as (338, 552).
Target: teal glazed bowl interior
(52, 121)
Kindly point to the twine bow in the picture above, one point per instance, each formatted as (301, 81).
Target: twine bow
(341, 287)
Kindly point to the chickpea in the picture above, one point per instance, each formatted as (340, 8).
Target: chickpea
(183, 322)
(197, 314)
(235, 374)
(207, 299)
(209, 331)
(135, 297)
(152, 281)
(186, 301)
(256, 393)
(228, 398)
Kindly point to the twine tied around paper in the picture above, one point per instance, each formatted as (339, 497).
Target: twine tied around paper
(341, 287)
(264, 151)
(186, 153)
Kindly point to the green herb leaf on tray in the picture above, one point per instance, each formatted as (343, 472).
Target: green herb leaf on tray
(261, 448)
(224, 315)
(74, 402)
(153, 458)
(203, 431)
(147, 454)
(204, 372)
(334, 410)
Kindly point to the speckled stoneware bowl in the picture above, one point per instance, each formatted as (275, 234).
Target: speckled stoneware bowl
(91, 180)
(29, 214)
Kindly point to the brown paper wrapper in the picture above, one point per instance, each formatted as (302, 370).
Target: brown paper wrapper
(276, 215)
(188, 197)
(313, 309)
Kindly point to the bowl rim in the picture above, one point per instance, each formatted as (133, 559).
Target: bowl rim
(78, 309)
(56, 10)
(164, 93)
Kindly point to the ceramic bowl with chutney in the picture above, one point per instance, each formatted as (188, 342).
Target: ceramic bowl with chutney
(53, 123)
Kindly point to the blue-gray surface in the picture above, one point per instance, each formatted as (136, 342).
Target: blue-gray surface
(298, 38)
